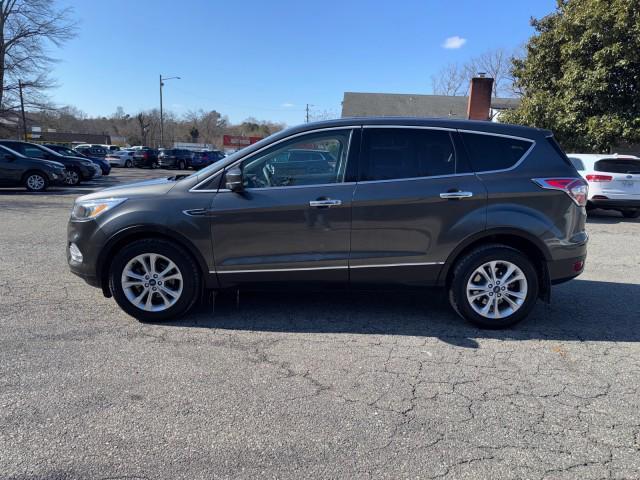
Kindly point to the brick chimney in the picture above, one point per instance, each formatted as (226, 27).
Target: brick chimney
(479, 104)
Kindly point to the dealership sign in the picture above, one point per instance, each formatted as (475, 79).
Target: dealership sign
(239, 141)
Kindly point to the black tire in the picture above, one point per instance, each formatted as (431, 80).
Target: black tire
(74, 177)
(35, 181)
(465, 268)
(631, 213)
(154, 165)
(128, 164)
(187, 268)
(181, 165)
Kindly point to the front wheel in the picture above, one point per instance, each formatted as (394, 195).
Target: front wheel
(181, 165)
(154, 280)
(35, 182)
(631, 213)
(494, 286)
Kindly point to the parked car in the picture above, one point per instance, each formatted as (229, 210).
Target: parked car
(494, 213)
(614, 181)
(92, 151)
(174, 158)
(77, 169)
(111, 148)
(120, 158)
(34, 174)
(205, 158)
(105, 168)
(145, 157)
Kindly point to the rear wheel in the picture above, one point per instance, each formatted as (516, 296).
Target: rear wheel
(181, 165)
(128, 164)
(494, 286)
(631, 213)
(36, 182)
(154, 280)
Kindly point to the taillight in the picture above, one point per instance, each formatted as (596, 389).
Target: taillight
(576, 188)
(146, 154)
(599, 178)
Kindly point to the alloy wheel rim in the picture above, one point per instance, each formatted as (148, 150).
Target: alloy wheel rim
(497, 289)
(152, 282)
(35, 182)
(72, 178)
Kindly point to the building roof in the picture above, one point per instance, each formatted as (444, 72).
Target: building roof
(356, 104)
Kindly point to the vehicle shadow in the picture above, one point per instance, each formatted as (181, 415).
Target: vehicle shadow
(581, 310)
(608, 217)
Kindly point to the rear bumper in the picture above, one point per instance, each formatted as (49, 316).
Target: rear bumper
(615, 203)
(566, 269)
(167, 162)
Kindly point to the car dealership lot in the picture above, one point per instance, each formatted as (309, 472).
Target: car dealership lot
(325, 384)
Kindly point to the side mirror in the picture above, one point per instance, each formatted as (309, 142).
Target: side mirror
(233, 180)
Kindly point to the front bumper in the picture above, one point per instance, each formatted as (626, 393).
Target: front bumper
(89, 239)
(87, 173)
(167, 162)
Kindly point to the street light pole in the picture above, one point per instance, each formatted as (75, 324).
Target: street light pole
(161, 113)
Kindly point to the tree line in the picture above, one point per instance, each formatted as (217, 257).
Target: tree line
(143, 128)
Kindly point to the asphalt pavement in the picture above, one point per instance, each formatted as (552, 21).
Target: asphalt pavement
(318, 385)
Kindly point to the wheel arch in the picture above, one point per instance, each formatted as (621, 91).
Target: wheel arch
(124, 237)
(521, 240)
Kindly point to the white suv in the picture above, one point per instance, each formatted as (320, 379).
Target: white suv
(614, 181)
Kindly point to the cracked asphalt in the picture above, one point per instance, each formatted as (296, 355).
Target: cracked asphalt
(318, 385)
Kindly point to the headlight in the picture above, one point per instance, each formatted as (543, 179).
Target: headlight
(90, 209)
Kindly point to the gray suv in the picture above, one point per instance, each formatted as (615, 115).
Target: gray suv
(494, 213)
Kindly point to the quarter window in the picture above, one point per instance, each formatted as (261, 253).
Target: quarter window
(396, 153)
(313, 159)
(491, 152)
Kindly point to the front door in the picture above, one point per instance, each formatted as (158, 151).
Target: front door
(414, 202)
(292, 222)
(11, 169)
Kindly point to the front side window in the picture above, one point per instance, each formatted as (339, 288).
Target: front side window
(33, 152)
(492, 152)
(397, 153)
(313, 159)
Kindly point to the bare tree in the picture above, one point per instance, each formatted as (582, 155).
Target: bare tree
(27, 29)
(454, 79)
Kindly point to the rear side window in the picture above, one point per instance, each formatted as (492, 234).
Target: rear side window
(618, 165)
(491, 152)
(396, 153)
(576, 162)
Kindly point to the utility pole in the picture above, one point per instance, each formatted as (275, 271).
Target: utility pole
(307, 113)
(24, 119)
(161, 119)
(161, 116)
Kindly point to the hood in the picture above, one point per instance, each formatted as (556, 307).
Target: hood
(147, 188)
(49, 163)
(82, 161)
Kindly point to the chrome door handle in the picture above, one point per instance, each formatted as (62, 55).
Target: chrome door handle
(456, 195)
(325, 203)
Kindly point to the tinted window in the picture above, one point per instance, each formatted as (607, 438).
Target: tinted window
(394, 153)
(490, 152)
(576, 162)
(33, 152)
(299, 162)
(618, 165)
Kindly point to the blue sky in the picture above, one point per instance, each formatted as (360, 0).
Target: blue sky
(267, 59)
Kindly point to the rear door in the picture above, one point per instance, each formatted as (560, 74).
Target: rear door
(415, 200)
(292, 222)
(625, 178)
